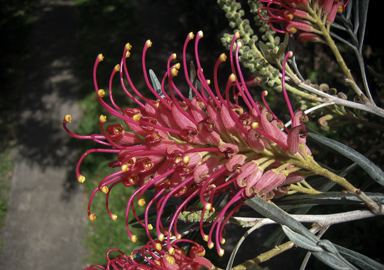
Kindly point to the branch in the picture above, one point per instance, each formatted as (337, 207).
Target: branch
(346, 103)
(263, 256)
(321, 220)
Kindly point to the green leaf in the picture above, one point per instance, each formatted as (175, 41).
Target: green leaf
(273, 212)
(363, 13)
(374, 171)
(301, 241)
(155, 82)
(331, 257)
(303, 200)
(283, 47)
(268, 54)
(324, 250)
(359, 259)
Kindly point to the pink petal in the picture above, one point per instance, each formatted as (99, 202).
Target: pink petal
(181, 120)
(246, 170)
(214, 114)
(234, 162)
(206, 133)
(197, 112)
(229, 149)
(255, 141)
(229, 123)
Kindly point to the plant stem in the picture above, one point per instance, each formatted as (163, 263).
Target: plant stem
(265, 256)
(269, 254)
(324, 29)
(338, 56)
(317, 169)
(304, 190)
(343, 102)
(303, 94)
(322, 220)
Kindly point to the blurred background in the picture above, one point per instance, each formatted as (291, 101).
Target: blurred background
(48, 51)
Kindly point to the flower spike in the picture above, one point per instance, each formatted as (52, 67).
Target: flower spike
(198, 149)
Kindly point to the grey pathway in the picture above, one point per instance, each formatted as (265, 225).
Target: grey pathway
(45, 223)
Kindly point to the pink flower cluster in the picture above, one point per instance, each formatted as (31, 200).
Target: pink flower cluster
(195, 149)
(301, 16)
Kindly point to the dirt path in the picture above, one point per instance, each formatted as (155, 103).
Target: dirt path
(45, 221)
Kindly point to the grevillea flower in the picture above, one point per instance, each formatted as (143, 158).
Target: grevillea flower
(302, 16)
(195, 148)
(152, 257)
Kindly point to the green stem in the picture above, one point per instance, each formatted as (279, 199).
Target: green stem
(302, 94)
(317, 169)
(304, 190)
(323, 27)
(337, 54)
(265, 256)
(369, 107)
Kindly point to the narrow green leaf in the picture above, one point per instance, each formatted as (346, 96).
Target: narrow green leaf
(155, 82)
(192, 78)
(302, 200)
(283, 47)
(374, 171)
(324, 250)
(301, 241)
(363, 13)
(359, 259)
(347, 12)
(273, 212)
(334, 261)
(355, 16)
(267, 53)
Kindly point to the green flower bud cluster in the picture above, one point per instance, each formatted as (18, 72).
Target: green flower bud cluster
(263, 26)
(250, 56)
